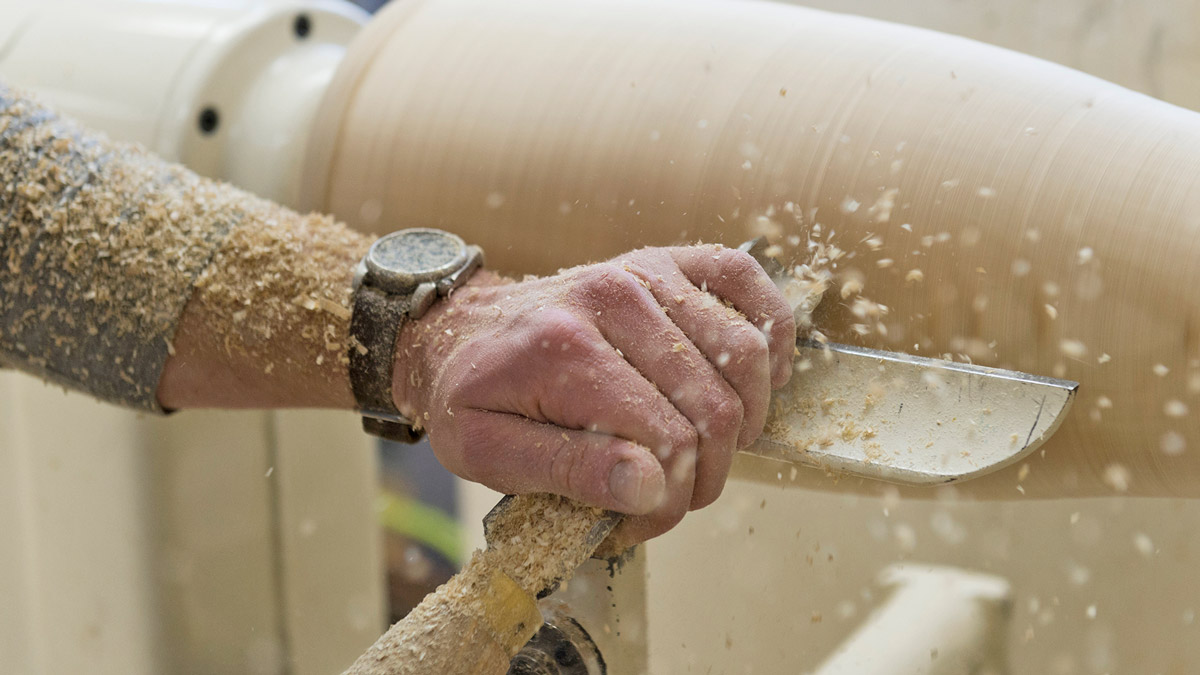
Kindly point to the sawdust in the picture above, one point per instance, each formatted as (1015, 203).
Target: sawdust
(541, 539)
(99, 243)
(102, 243)
(277, 295)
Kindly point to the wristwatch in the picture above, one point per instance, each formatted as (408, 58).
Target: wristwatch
(402, 274)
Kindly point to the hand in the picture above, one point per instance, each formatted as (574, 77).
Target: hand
(627, 385)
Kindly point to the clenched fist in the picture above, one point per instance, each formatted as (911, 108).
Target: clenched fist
(626, 385)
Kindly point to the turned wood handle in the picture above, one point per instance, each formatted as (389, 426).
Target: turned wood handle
(473, 625)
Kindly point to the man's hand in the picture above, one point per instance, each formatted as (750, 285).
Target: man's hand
(627, 385)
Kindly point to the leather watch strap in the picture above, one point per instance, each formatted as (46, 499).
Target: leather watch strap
(375, 325)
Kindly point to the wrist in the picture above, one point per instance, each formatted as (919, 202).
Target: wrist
(267, 325)
(424, 344)
(401, 277)
(203, 372)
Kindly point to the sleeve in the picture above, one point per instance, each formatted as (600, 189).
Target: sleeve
(100, 247)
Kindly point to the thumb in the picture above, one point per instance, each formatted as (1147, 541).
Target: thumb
(514, 454)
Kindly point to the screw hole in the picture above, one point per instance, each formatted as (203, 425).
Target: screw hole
(302, 26)
(210, 119)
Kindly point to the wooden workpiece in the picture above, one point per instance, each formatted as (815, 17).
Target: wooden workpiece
(1002, 208)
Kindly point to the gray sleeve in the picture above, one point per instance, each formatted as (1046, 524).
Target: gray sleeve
(100, 246)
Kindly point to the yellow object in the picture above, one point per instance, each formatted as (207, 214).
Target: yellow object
(510, 613)
(473, 625)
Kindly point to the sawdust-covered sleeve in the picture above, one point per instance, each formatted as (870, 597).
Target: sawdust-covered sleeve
(103, 245)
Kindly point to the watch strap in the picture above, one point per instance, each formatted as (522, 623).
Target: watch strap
(374, 326)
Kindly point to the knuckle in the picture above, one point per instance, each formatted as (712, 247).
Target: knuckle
(754, 343)
(748, 346)
(559, 329)
(459, 399)
(724, 417)
(738, 263)
(624, 288)
(775, 308)
(474, 435)
(565, 468)
(784, 328)
(682, 438)
(782, 341)
(782, 320)
(599, 277)
(609, 283)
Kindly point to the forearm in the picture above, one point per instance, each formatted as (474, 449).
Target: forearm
(99, 245)
(137, 281)
(268, 323)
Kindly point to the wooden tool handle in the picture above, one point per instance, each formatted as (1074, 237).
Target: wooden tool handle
(472, 625)
(481, 618)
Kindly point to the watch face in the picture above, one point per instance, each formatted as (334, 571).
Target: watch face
(400, 261)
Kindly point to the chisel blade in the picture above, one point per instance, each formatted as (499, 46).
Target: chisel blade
(908, 419)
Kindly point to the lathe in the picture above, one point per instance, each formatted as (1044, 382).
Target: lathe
(1005, 211)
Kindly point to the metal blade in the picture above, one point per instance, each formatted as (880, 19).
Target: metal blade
(907, 419)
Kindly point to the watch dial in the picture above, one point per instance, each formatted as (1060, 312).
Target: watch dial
(404, 259)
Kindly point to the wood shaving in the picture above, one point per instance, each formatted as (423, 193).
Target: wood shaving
(1073, 349)
(1175, 408)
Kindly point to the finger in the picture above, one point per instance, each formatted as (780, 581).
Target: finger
(560, 371)
(517, 455)
(636, 529)
(735, 347)
(556, 367)
(633, 321)
(735, 277)
(598, 390)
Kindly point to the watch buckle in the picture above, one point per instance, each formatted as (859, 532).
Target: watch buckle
(400, 432)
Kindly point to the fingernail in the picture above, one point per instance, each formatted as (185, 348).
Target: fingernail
(629, 487)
